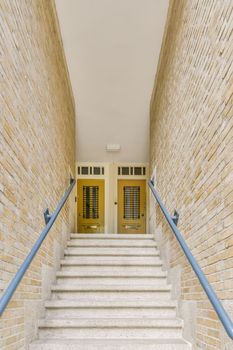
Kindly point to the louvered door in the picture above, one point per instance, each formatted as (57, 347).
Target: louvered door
(91, 206)
(131, 206)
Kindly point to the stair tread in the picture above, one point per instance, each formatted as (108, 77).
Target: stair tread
(101, 245)
(111, 344)
(68, 253)
(115, 270)
(112, 322)
(112, 251)
(105, 275)
(127, 303)
(121, 261)
(108, 287)
(117, 341)
(111, 243)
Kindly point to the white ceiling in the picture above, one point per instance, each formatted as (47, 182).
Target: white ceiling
(112, 49)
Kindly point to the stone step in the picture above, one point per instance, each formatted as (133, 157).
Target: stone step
(112, 274)
(110, 328)
(72, 279)
(111, 288)
(68, 313)
(127, 243)
(110, 277)
(113, 260)
(85, 303)
(111, 270)
(111, 344)
(112, 251)
(95, 291)
(108, 309)
(111, 293)
(116, 236)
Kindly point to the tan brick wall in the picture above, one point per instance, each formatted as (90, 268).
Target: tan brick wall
(36, 150)
(192, 151)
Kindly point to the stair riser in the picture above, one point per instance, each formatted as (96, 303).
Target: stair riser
(112, 251)
(112, 270)
(105, 346)
(70, 295)
(110, 333)
(113, 260)
(111, 281)
(111, 243)
(110, 313)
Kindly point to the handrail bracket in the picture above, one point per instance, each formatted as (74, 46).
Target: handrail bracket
(47, 216)
(175, 217)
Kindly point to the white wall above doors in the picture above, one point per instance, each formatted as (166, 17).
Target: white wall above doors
(112, 49)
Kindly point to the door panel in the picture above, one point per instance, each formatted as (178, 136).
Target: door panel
(131, 206)
(91, 206)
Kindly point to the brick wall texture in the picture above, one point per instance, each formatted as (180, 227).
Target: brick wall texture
(36, 151)
(192, 152)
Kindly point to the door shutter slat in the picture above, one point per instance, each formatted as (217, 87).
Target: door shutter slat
(131, 202)
(91, 202)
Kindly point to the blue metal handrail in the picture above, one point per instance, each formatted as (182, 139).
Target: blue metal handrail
(217, 305)
(20, 273)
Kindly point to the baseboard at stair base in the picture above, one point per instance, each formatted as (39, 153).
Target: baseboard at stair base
(111, 344)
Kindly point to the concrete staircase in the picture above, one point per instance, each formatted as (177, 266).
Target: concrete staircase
(111, 293)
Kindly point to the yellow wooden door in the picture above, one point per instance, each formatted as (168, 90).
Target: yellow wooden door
(131, 206)
(90, 206)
